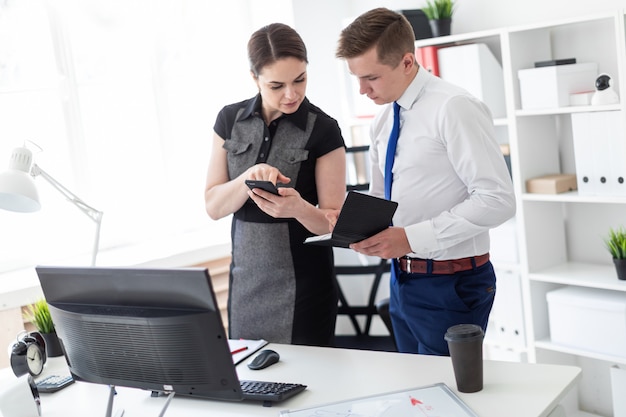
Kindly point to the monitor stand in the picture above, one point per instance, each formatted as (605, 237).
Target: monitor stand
(120, 412)
(109, 412)
(167, 403)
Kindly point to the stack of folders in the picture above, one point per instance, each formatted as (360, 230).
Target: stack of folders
(599, 152)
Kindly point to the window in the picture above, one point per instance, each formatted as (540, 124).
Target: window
(121, 97)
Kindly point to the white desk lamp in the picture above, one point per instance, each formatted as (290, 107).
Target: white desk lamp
(19, 193)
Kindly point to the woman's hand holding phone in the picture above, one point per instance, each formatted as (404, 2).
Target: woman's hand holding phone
(263, 185)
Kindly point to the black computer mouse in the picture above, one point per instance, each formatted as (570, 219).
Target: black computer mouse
(264, 359)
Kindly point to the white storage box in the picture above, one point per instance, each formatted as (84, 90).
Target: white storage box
(503, 249)
(474, 68)
(618, 387)
(589, 319)
(550, 87)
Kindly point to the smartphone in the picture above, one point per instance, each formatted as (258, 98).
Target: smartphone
(53, 383)
(264, 185)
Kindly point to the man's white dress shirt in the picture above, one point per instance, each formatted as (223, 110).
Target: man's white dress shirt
(449, 175)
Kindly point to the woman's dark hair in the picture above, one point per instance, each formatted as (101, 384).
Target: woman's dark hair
(273, 42)
(390, 32)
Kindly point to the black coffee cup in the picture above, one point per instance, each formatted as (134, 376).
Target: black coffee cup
(465, 342)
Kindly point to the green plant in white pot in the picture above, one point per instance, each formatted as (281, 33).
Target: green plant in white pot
(439, 14)
(616, 244)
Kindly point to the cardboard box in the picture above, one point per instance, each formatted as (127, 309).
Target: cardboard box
(551, 87)
(588, 318)
(551, 184)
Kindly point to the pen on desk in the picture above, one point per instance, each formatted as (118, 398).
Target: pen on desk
(241, 349)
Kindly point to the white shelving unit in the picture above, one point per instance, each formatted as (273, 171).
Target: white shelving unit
(559, 238)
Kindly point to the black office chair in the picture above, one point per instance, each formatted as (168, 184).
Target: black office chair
(382, 307)
(361, 316)
(357, 165)
(361, 338)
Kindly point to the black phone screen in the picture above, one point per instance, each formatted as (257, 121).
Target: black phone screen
(264, 185)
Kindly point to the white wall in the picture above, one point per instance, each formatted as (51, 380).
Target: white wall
(319, 22)
(473, 15)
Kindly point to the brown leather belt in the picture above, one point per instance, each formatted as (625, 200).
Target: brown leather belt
(420, 266)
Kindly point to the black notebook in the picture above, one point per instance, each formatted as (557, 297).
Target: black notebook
(361, 216)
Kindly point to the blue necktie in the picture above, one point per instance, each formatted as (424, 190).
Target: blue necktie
(389, 158)
(391, 150)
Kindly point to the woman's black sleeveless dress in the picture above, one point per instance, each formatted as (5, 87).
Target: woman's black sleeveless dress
(280, 289)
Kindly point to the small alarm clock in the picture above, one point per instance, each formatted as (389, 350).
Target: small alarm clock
(28, 354)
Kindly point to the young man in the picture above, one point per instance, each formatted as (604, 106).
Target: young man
(448, 175)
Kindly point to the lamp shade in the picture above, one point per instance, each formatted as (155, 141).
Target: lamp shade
(20, 398)
(17, 187)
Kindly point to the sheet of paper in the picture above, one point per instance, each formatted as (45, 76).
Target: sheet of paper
(431, 401)
(244, 348)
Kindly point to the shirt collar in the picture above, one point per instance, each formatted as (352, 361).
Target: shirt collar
(299, 118)
(413, 91)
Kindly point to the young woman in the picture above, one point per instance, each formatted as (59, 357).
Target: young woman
(280, 289)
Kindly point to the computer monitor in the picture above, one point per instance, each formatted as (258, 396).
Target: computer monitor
(153, 329)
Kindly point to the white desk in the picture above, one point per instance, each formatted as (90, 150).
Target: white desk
(510, 389)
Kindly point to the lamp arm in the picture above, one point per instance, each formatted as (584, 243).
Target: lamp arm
(95, 215)
(92, 213)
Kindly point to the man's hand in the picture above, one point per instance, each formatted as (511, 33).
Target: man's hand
(390, 243)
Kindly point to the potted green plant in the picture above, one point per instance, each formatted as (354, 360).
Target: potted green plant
(439, 14)
(38, 314)
(616, 244)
